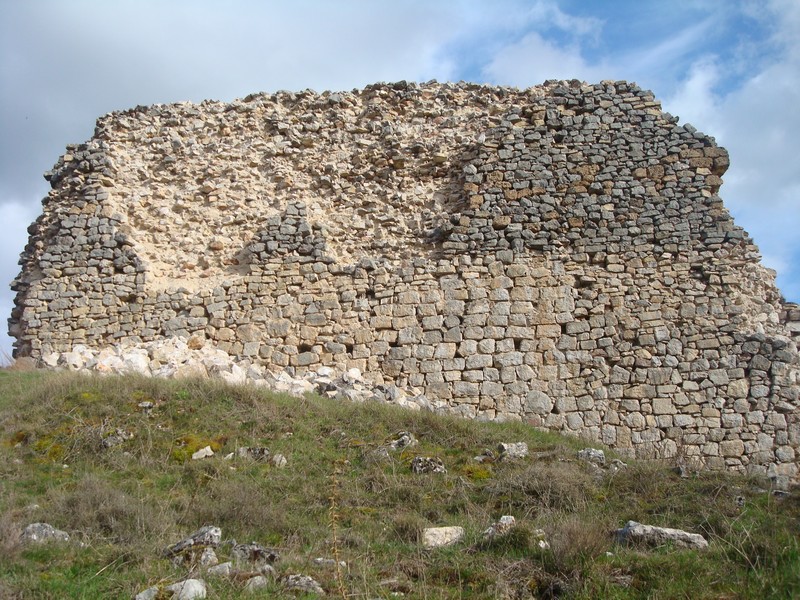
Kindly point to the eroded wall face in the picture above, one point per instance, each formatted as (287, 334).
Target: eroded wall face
(558, 255)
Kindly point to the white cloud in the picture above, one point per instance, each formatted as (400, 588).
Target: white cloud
(694, 101)
(655, 63)
(545, 13)
(533, 60)
(762, 186)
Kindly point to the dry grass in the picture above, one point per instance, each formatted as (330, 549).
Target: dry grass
(543, 487)
(575, 539)
(97, 509)
(10, 532)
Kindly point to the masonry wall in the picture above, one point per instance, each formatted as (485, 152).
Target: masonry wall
(558, 255)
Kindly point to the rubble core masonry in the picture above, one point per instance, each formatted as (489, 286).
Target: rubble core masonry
(557, 254)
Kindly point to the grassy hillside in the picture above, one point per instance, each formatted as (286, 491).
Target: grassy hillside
(124, 499)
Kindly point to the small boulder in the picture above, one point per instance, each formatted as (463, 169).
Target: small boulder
(221, 570)
(487, 456)
(255, 583)
(40, 533)
(352, 376)
(208, 558)
(436, 537)
(636, 533)
(188, 589)
(205, 452)
(150, 593)
(592, 455)
(303, 583)
(616, 465)
(513, 450)
(253, 554)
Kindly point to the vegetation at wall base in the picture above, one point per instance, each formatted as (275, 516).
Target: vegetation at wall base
(109, 460)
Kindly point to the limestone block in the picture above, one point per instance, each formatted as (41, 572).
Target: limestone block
(663, 406)
(732, 448)
(436, 537)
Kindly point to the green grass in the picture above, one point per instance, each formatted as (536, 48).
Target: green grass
(124, 504)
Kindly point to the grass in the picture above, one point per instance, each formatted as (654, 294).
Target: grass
(339, 497)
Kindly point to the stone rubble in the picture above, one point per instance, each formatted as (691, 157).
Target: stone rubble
(119, 436)
(557, 255)
(250, 564)
(174, 358)
(427, 464)
(402, 441)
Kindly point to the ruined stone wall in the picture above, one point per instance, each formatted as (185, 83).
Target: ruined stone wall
(557, 254)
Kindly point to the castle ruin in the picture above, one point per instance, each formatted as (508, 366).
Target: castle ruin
(557, 254)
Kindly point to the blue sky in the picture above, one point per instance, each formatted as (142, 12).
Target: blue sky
(731, 68)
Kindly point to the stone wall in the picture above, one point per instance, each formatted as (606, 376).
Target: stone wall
(557, 254)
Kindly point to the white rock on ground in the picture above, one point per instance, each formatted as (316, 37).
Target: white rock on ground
(303, 583)
(592, 455)
(43, 532)
(513, 450)
(148, 594)
(206, 452)
(650, 535)
(221, 570)
(188, 589)
(436, 537)
(503, 526)
(255, 583)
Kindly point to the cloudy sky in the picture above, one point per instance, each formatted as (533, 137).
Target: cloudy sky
(731, 68)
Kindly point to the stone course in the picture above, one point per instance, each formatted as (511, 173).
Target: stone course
(557, 255)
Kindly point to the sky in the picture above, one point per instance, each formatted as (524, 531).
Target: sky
(731, 68)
